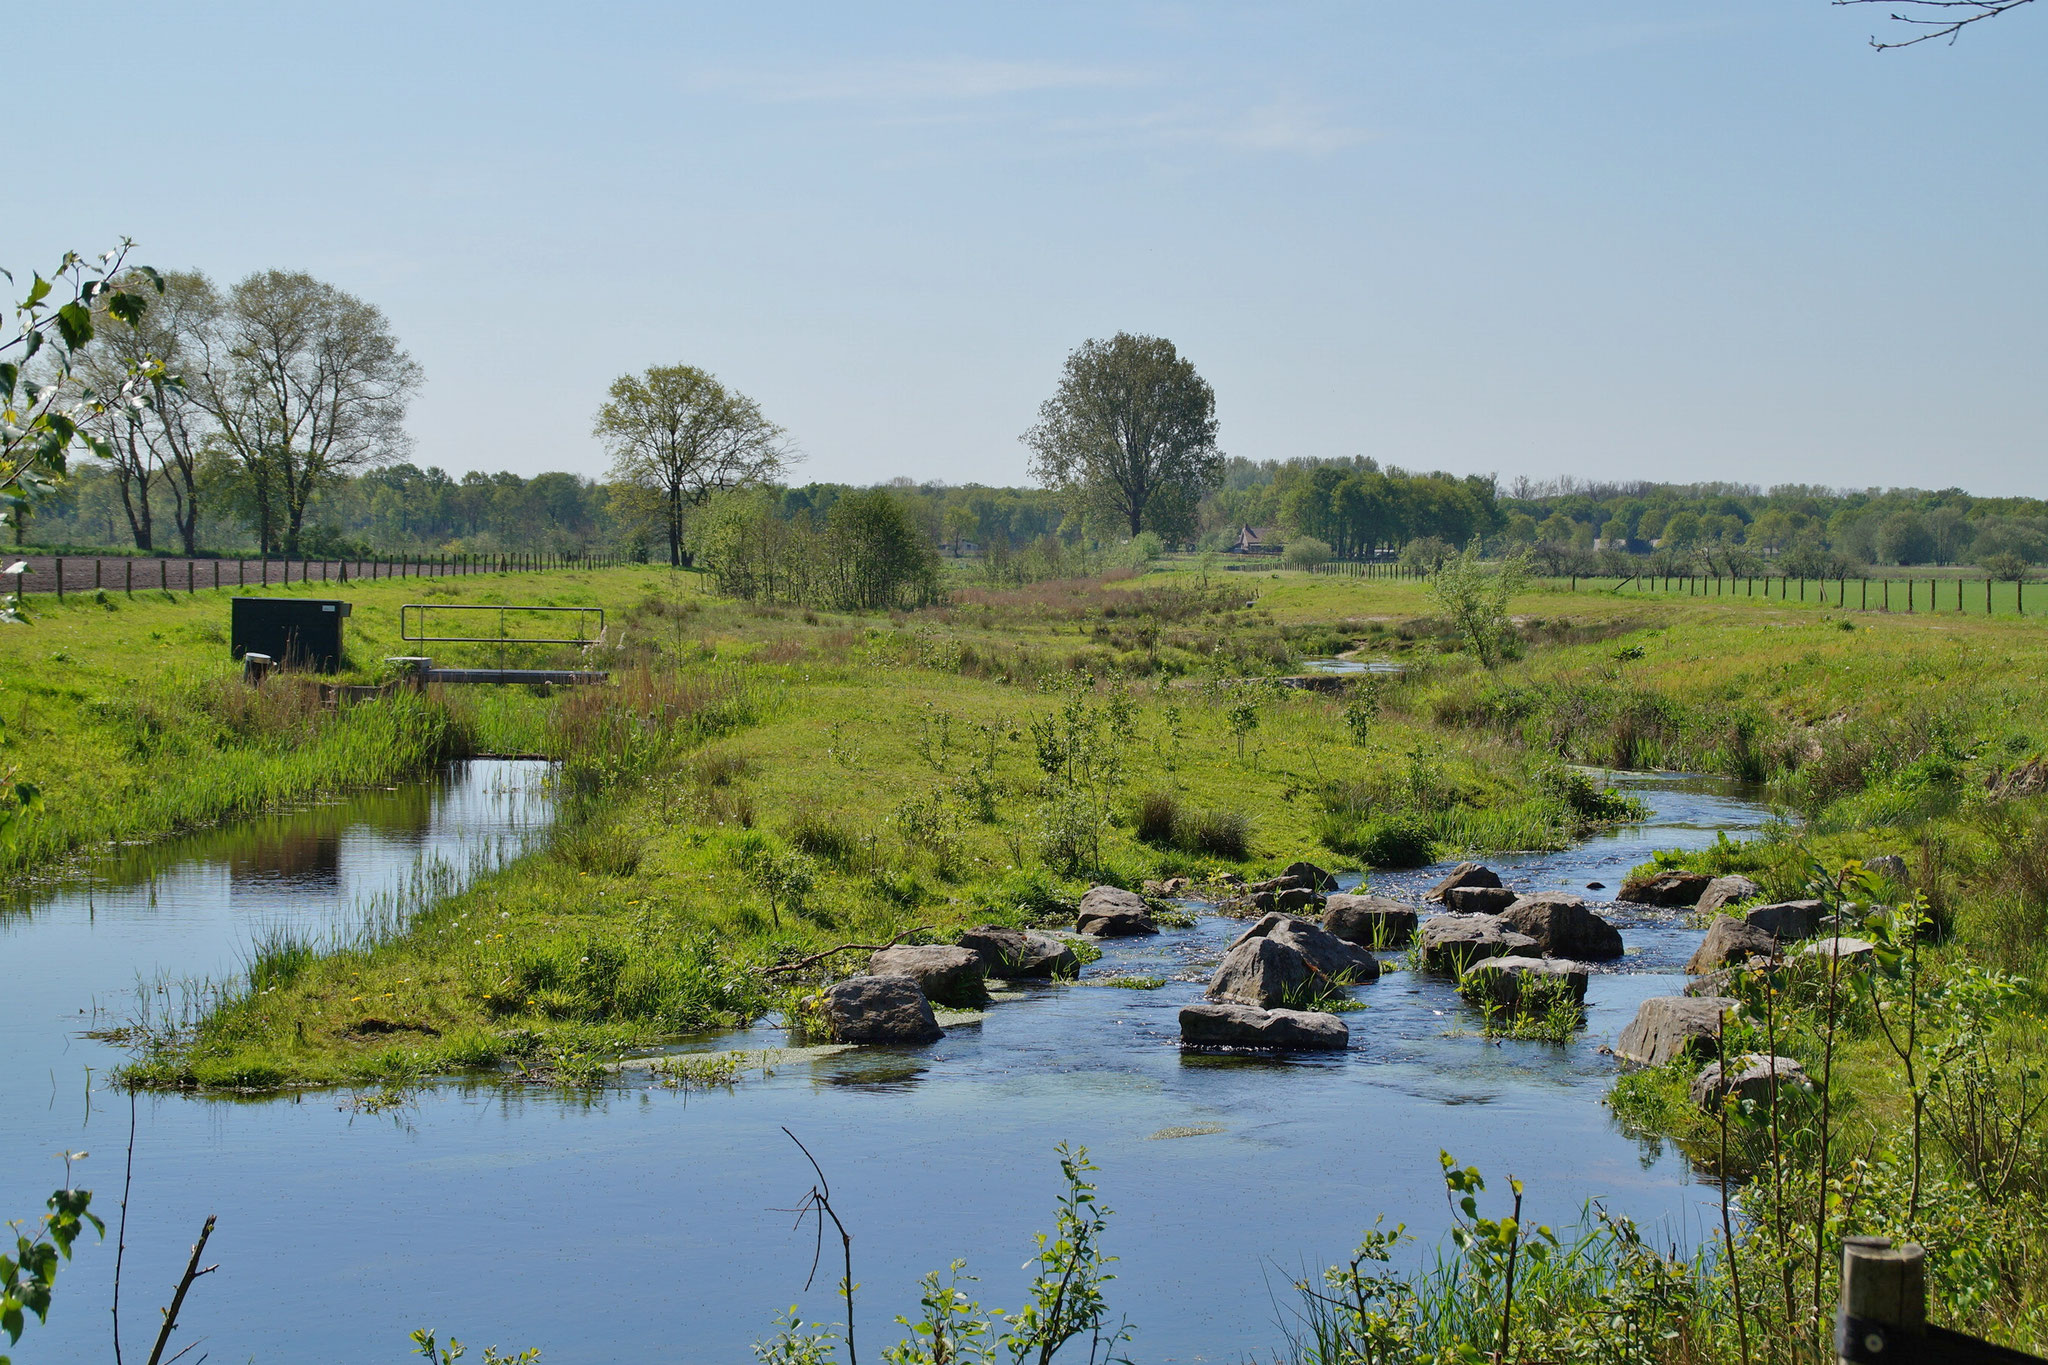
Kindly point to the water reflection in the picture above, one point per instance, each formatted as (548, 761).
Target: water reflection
(638, 1221)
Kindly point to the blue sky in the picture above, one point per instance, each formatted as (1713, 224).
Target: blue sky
(1669, 240)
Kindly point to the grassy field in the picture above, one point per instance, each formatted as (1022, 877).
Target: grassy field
(129, 714)
(762, 783)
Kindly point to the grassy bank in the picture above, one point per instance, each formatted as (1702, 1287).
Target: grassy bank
(760, 785)
(763, 784)
(130, 717)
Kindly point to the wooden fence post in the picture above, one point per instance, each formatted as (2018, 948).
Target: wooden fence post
(60, 578)
(129, 566)
(1883, 1309)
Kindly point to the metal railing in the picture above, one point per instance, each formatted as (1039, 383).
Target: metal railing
(412, 628)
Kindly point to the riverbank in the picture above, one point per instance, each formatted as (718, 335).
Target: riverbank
(129, 717)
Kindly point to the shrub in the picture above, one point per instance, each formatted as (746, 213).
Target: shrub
(1157, 818)
(1219, 833)
(1382, 840)
(823, 838)
(1305, 552)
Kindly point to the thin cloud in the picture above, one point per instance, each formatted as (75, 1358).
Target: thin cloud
(953, 78)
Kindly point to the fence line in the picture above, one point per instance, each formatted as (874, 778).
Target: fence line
(61, 575)
(1978, 597)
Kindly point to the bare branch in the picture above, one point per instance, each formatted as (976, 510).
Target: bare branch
(1940, 20)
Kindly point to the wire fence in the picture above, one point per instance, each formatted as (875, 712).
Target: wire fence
(61, 575)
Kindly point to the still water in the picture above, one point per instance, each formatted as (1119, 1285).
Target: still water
(648, 1224)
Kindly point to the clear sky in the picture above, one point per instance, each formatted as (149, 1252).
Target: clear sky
(1668, 239)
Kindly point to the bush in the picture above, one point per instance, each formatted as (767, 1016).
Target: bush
(1305, 552)
(1156, 820)
(1382, 841)
(823, 838)
(1219, 833)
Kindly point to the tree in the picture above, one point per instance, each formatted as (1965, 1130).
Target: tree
(877, 555)
(1132, 424)
(1474, 597)
(167, 429)
(1905, 539)
(306, 384)
(680, 436)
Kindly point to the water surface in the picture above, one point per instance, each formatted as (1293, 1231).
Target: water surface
(645, 1223)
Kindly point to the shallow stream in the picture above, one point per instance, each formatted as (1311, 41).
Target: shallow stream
(644, 1223)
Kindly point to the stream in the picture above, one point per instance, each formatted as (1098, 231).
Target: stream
(643, 1223)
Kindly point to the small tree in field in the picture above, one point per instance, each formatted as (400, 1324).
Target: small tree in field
(1473, 596)
(1305, 552)
(2006, 567)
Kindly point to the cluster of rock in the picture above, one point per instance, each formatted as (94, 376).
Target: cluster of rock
(1739, 939)
(1507, 947)
(1285, 959)
(892, 1002)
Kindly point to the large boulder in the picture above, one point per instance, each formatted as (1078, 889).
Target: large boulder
(1892, 867)
(1020, 953)
(1464, 874)
(1231, 1025)
(1451, 943)
(1563, 927)
(880, 1009)
(949, 975)
(1508, 981)
(1283, 959)
(1751, 1078)
(1667, 1027)
(1787, 920)
(1729, 941)
(1666, 889)
(1725, 891)
(1311, 876)
(1369, 921)
(1112, 912)
(1480, 900)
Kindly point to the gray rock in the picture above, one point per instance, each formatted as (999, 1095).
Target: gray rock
(1724, 891)
(1311, 876)
(952, 976)
(1667, 1027)
(1891, 867)
(1479, 900)
(1229, 1025)
(1286, 900)
(880, 1009)
(1505, 980)
(1111, 912)
(1563, 927)
(1020, 953)
(1666, 889)
(1729, 941)
(1282, 958)
(1464, 874)
(1751, 1078)
(1369, 921)
(1849, 952)
(1451, 943)
(1786, 920)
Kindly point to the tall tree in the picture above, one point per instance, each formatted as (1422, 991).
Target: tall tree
(163, 428)
(679, 436)
(307, 385)
(1131, 431)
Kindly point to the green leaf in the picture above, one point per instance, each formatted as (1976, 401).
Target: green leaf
(37, 292)
(74, 324)
(127, 307)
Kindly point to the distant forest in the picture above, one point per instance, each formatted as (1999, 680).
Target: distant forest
(1356, 507)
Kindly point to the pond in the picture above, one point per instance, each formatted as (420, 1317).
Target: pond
(640, 1222)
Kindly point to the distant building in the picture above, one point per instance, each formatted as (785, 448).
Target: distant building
(1630, 545)
(1256, 540)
